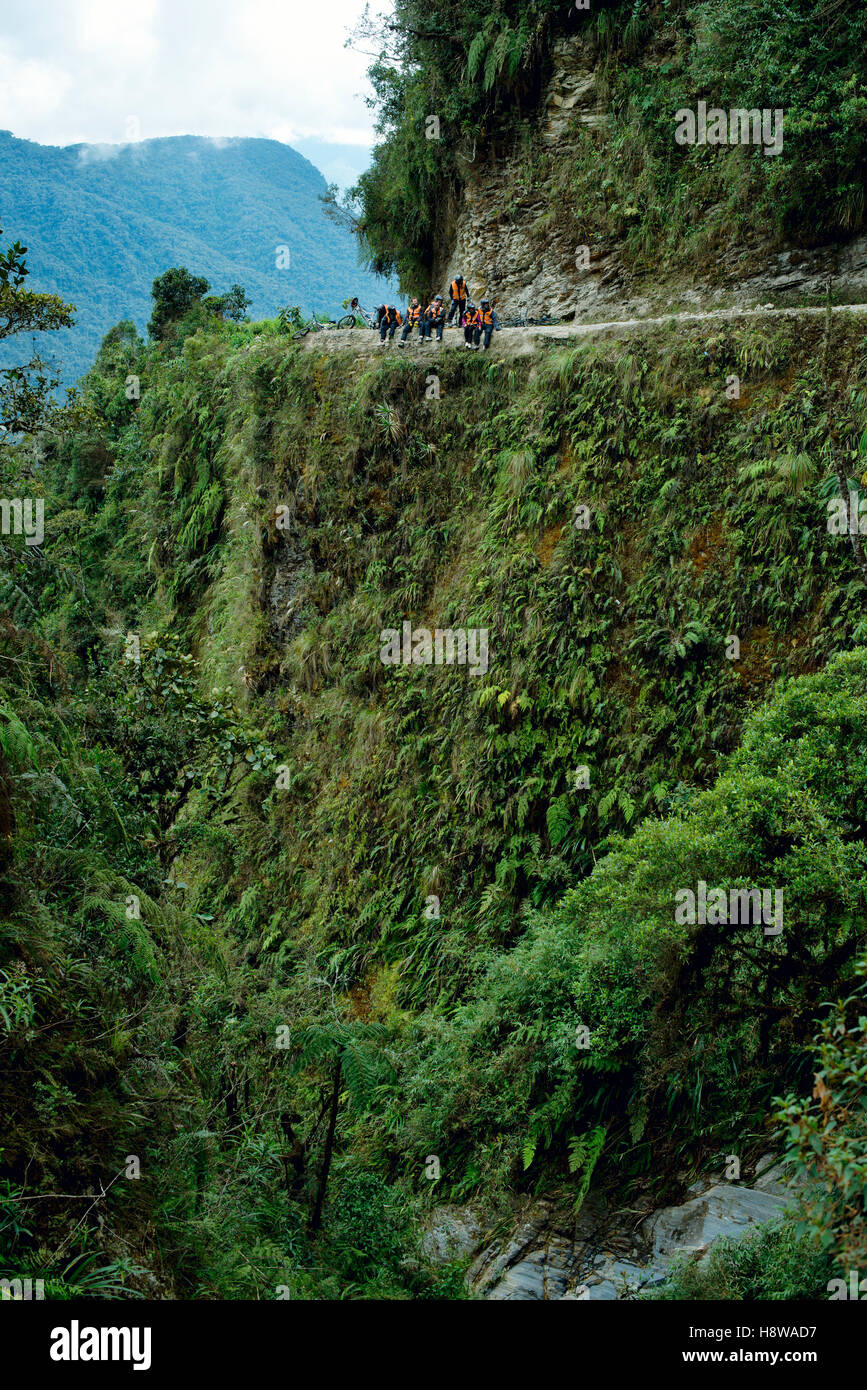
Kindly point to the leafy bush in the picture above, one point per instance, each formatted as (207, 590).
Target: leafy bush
(175, 293)
(827, 1135)
(773, 1263)
(689, 1026)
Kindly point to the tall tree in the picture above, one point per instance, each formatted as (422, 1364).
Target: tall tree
(350, 1048)
(26, 391)
(175, 293)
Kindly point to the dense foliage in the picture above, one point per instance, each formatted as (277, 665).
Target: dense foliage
(295, 944)
(25, 390)
(224, 822)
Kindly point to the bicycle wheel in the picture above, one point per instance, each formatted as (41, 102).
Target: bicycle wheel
(301, 333)
(348, 321)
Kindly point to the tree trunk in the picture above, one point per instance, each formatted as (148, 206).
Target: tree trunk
(7, 815)
(292, 1155)
(316, 1218)
(7, 831)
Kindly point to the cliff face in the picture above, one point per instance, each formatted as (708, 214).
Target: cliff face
(476, 867)
(517, 231)
(505, 242)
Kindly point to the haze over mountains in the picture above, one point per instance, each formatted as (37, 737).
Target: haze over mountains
(100, 222)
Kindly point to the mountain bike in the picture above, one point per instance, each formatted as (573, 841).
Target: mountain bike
(315, 325)
(289, 319)
(358, 312)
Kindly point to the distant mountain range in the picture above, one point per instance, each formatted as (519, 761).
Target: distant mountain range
(100, 222)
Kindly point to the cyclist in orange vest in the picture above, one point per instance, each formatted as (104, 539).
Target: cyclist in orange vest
(458, 296)
(467, 323)
(414, 316)
(434, 317)
(388, 318)
(486, 322)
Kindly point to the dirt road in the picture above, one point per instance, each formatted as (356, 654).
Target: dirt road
(516, 342)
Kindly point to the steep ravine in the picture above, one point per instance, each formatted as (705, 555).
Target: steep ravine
(608, 1251)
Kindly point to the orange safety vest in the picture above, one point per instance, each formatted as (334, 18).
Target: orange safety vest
(433, 310)
(485, 317)
(391, 314)
(414, 313)
(458, 291)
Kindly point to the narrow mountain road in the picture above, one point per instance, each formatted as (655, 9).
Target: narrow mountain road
(516, 342)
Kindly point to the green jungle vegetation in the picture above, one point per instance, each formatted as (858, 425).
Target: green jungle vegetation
(280, 923)
(220, 858)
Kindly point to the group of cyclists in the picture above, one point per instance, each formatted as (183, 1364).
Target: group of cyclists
(478, 322)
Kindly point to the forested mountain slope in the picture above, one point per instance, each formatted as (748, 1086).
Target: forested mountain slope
(330, 855)
(101, 222)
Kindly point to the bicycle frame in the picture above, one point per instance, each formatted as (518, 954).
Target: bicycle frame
(365, 314)
(314, 325)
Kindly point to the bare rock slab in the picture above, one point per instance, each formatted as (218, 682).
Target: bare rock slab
(724, 1210)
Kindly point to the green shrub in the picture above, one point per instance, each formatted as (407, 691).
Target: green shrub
(773, 1263)
(827, 1135)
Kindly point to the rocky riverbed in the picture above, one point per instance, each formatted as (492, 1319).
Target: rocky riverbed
(547, 1252)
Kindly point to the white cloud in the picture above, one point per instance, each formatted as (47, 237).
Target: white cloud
(336, 135)
(30, 89)
(98, 154)
(105, 71)
(123, 32)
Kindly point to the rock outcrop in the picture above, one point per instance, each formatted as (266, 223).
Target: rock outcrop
(509, 243)
(600, 1255)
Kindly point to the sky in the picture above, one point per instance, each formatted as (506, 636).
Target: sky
(115, 71)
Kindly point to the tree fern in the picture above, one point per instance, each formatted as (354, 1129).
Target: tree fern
(584, 1152)
(496, 58)
(19, 604)
(130, 934)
